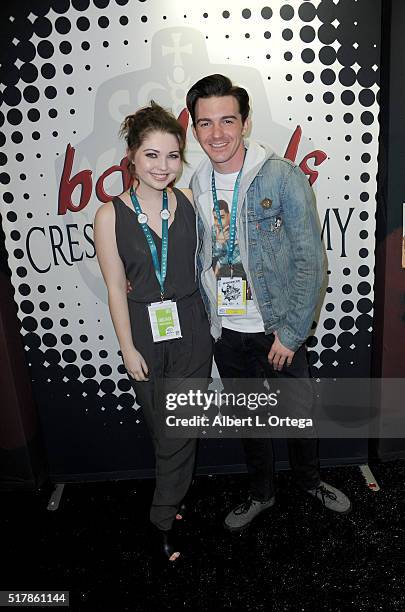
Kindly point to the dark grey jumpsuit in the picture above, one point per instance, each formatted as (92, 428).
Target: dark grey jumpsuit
(189, 357)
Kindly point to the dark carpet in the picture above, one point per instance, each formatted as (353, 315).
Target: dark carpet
(295, 557)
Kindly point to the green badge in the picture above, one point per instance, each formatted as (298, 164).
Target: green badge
(164, 320)
(164, 317)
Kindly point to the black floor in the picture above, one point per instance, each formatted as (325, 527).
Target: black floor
(297, 557)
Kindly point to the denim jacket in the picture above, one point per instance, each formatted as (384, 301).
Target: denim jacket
(279, 239)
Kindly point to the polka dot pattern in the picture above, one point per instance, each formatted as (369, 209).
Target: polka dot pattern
(322, 59)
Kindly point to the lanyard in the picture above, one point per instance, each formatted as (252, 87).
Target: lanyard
(160, 270)
(232, 226)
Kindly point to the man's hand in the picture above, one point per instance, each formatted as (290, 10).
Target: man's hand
(129, 286)
(279, 354)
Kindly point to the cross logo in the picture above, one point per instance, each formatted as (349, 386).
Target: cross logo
(177, 49)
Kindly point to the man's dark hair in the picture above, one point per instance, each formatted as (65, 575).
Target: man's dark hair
(217, 85)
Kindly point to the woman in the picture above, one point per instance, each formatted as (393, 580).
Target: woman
(147, 236)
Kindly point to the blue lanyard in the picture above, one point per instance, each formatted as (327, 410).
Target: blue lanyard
(160, 270)
(232, 227)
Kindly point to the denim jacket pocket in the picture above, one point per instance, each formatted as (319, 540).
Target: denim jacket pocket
(270, 229)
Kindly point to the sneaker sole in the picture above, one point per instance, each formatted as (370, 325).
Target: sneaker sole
(341, 513)
(238, 529)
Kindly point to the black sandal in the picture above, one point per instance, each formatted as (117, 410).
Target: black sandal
(164, 546)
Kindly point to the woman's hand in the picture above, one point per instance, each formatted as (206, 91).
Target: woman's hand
(135, 365)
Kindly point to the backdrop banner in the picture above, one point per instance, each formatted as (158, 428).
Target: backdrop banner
(72, 71)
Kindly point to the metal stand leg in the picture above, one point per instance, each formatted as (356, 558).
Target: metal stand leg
(369, 477)
(56, 496)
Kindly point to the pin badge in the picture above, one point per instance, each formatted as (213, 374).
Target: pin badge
(266, 203)
(165, 214)
(142, 218)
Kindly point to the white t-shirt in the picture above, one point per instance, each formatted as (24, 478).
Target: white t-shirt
(252, 322)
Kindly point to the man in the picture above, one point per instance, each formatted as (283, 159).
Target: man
(275, 237)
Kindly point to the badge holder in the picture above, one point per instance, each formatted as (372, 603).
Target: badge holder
(231, 291)
(231, 296)
(164, 321)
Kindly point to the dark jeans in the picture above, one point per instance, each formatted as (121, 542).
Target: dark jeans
(244, 355)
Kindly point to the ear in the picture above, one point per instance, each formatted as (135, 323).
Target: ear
(246, 127)
(130, 156)
(194, 132)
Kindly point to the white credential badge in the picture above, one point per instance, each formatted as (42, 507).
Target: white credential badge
(231, 296)
(164, 321)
